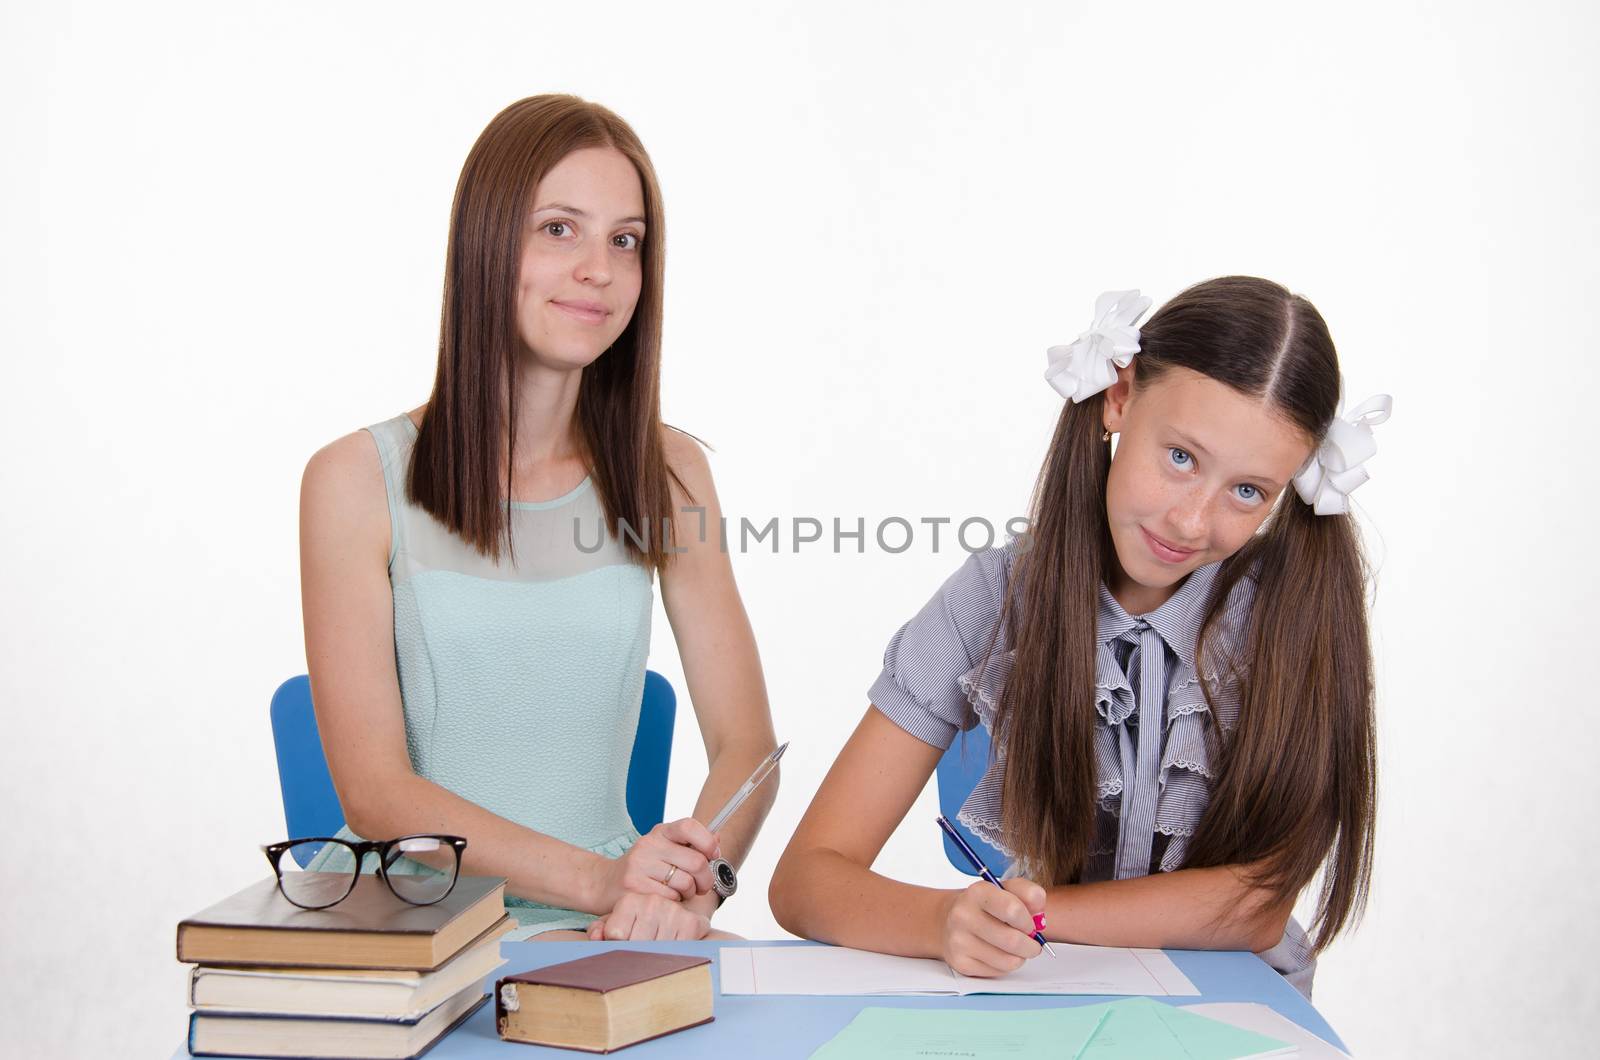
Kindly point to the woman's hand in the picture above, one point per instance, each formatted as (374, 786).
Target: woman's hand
(988, 931)
(644, 917)
(671, 861)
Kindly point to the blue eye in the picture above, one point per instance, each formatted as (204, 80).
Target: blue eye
(1249, 494)
(1180, 458)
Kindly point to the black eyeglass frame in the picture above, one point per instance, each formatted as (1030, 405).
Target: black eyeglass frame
(381, 847)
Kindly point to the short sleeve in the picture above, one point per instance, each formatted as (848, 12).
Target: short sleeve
(918, 689)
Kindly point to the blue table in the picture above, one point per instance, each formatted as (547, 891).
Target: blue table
(795, 1026)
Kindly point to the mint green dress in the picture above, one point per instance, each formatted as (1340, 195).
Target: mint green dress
(521, 678)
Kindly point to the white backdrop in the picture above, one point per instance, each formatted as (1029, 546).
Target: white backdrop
(223, 244)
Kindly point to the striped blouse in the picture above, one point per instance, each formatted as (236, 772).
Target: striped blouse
(1152, 792)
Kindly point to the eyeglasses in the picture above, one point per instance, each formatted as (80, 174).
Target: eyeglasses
(335, 876)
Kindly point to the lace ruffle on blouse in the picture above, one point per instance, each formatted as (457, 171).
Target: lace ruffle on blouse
(1197, 717)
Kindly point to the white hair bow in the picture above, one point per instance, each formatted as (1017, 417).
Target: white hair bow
(1089, 363)
(1333, 471)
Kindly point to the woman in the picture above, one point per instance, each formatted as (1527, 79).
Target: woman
(477, 573)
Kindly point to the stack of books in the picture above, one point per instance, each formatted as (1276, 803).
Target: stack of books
(368, 977)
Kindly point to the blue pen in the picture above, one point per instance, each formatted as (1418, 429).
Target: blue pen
(983, 870)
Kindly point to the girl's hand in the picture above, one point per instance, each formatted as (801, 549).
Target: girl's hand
(988, 931)
(671, 861)
(646, 917)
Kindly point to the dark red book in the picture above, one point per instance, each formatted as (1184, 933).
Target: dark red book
(605, 1002)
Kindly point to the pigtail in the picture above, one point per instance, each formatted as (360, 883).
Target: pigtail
(1046, 714)
(1297, 780)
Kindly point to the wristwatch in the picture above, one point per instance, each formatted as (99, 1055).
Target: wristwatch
(723, 880)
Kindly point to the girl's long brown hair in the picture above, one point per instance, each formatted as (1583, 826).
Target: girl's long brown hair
(1296, 783)
(461, 467)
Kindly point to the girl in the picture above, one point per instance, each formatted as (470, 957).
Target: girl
(477, 573)
(1173, 663)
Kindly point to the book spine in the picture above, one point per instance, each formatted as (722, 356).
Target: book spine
(500, 996)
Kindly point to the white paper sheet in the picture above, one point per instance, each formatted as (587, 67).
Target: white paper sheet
(836, 970)
(1263, 1019)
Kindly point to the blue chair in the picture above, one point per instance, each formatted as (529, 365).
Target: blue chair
(311, 806)
(652, 753)
(961, 767)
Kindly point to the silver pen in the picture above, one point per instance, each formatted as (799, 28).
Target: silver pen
(723, 878)
(767, 765)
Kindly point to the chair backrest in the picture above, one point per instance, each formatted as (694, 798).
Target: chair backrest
(311, 805)
(961, 767)
(652, 753)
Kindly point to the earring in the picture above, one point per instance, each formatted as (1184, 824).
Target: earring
(1105, 435)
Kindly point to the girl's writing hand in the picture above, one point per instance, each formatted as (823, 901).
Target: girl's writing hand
(671, 861)
(988, 931)
(643, 917)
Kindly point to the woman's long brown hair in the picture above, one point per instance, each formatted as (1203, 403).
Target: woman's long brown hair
(461, 467)
(1296, 784)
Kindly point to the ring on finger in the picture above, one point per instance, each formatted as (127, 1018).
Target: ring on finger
(667, 879)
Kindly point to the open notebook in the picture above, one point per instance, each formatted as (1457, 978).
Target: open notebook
(838, 970)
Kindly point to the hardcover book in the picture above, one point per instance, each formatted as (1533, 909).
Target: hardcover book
(369, 929)
(605, 1002)
(358, 993)
(316, 1038)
